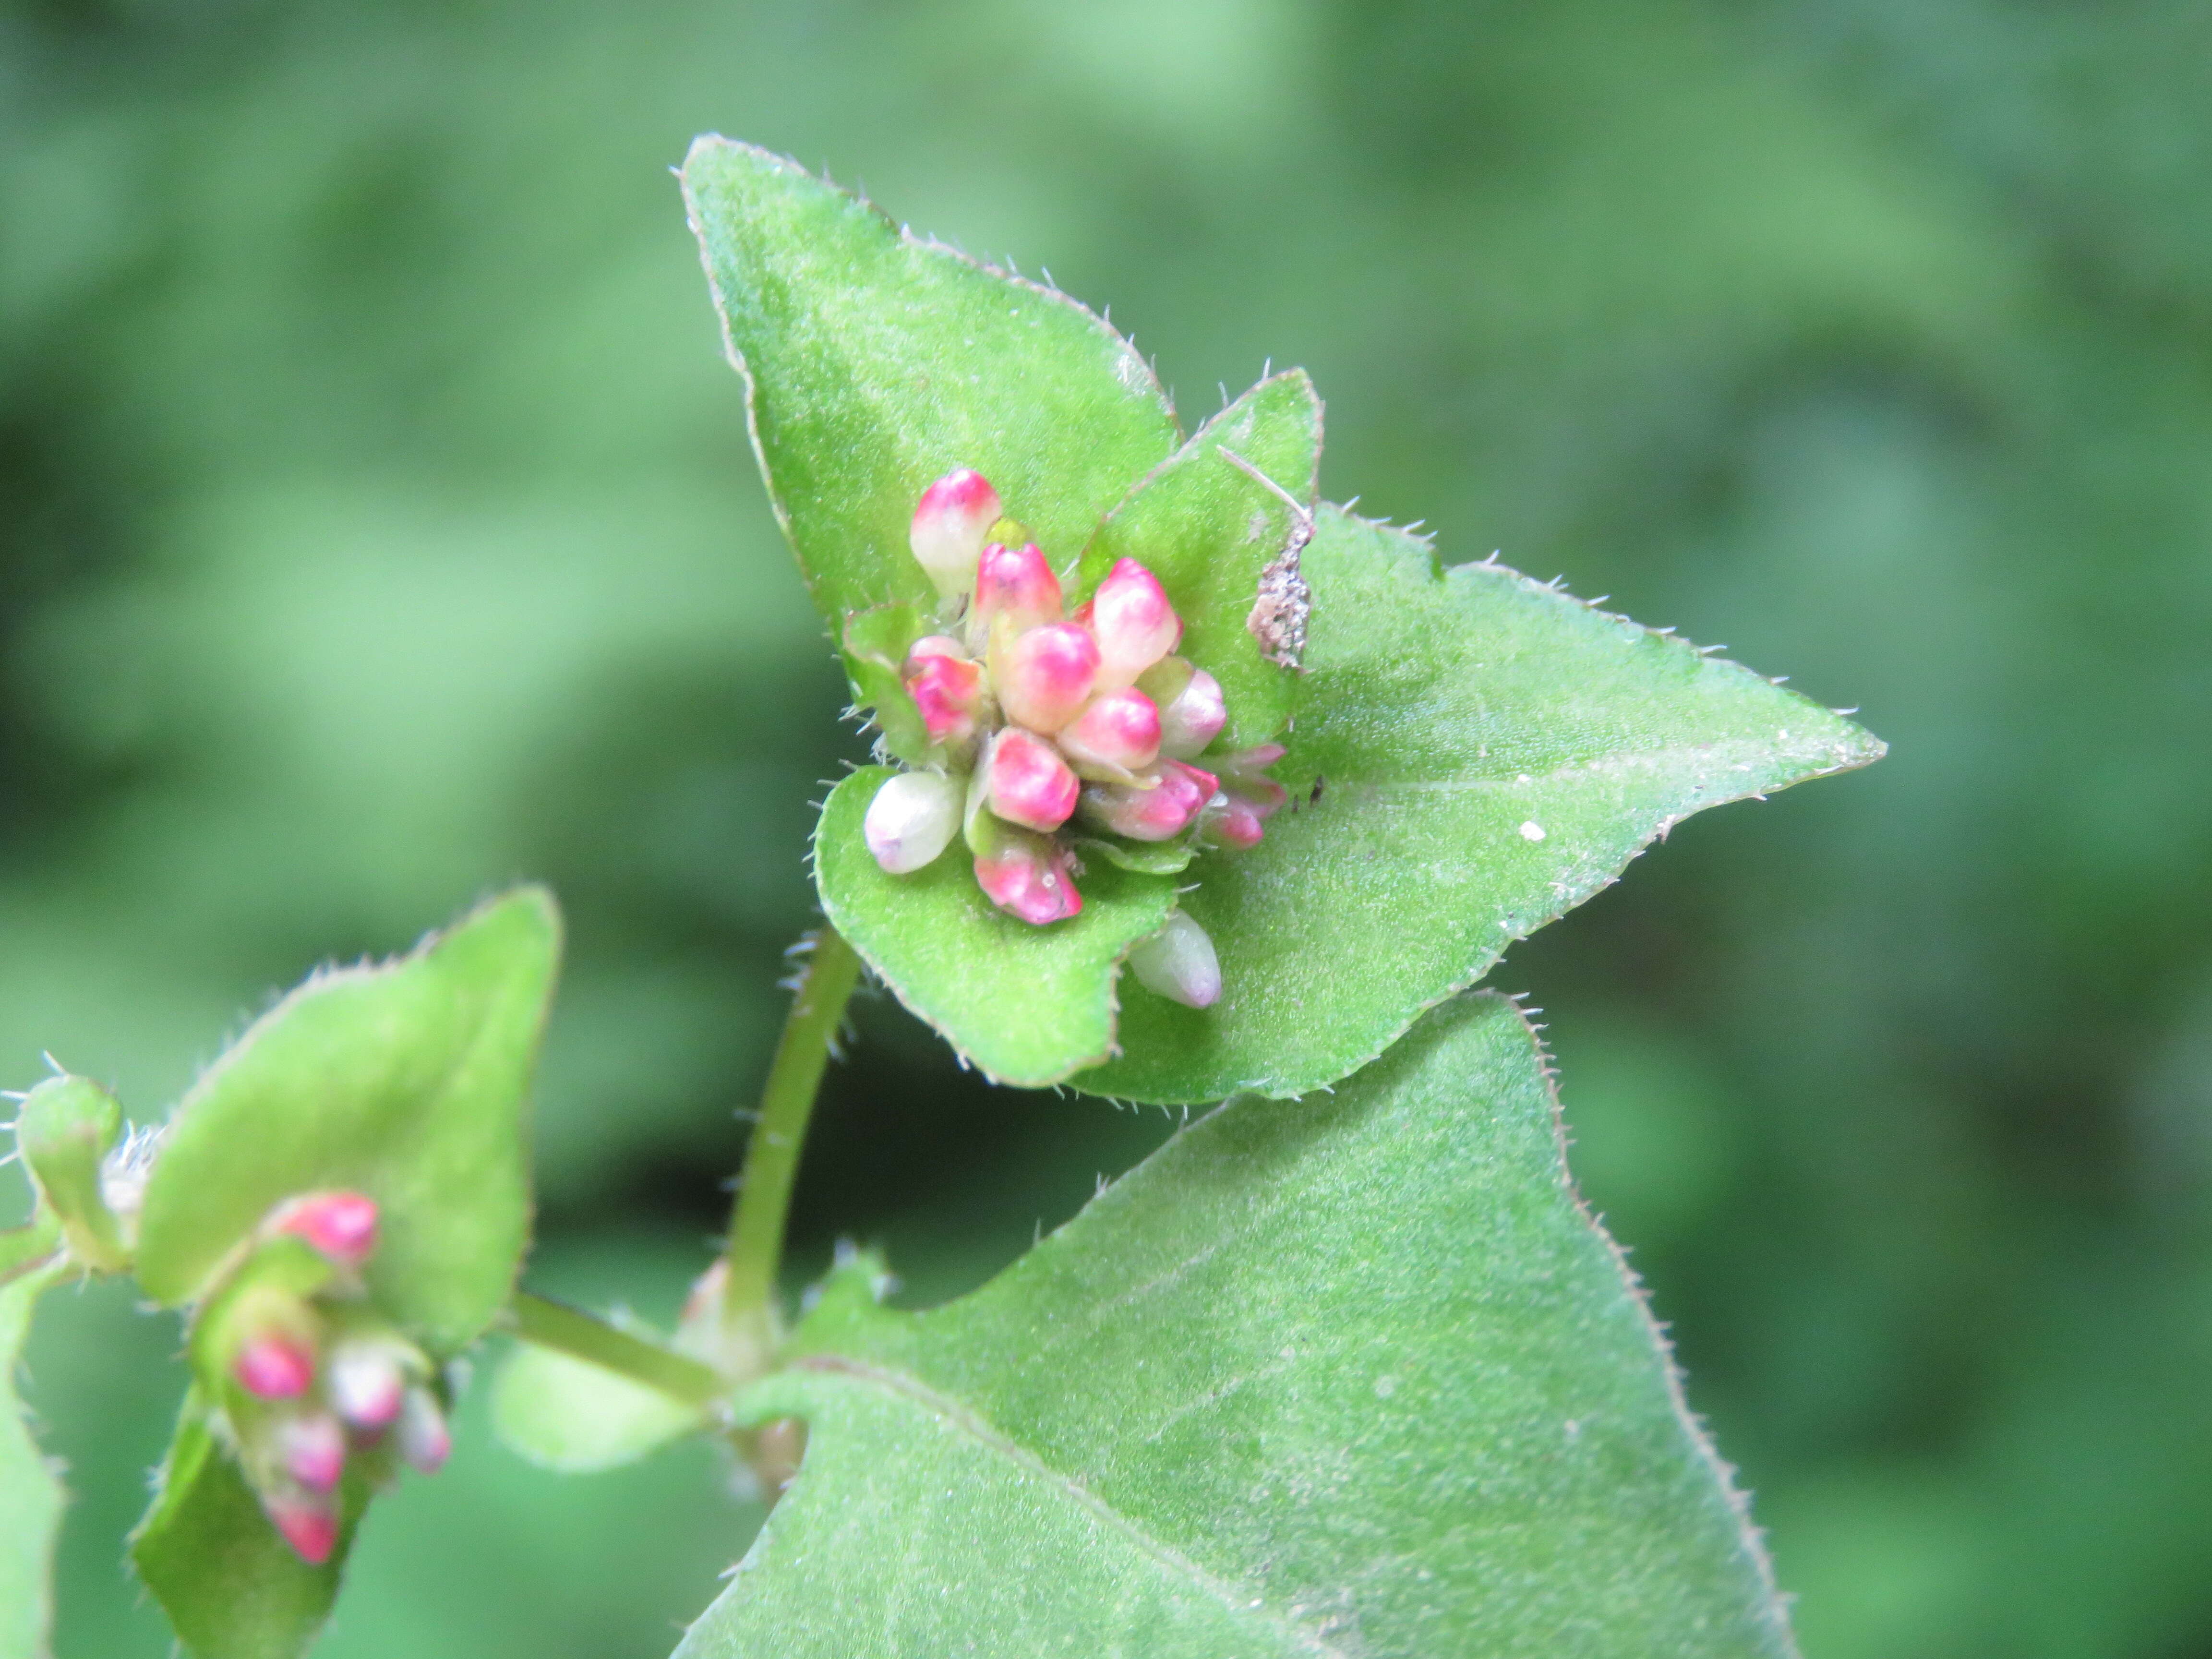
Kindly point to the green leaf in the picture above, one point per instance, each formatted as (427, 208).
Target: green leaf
(1355, 1373)
(31, 1496)
(1023, 1004)
(1209, 530)
(231, 1587)
(567, 1414)
(406, 1081)
(876, 643)
(1490, 753)
(876, 362)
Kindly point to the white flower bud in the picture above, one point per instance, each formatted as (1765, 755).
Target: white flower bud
(424, 1440)
(367, 1380)
(1178, 963)
(912, 820)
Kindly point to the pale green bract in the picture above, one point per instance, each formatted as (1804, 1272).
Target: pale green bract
(1351, 1375)
(1489, 752)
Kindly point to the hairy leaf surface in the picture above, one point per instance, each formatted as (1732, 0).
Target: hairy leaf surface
(1351, 1375)
(1490, 753)
(876, 362)
(406, 1081)
(1024, 1004)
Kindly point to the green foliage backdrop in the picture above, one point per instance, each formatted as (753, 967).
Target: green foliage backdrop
(376, 526)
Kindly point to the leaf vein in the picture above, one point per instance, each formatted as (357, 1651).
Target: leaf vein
(985, 1434)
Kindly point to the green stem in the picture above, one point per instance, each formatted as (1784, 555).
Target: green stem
(572, 1331)
(757, 1227)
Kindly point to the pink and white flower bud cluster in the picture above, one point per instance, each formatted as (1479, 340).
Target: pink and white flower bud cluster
(1052, 725)
(321, 1380)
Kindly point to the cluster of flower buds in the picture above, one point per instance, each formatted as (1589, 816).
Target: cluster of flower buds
(1052, 725)
(313, 1380)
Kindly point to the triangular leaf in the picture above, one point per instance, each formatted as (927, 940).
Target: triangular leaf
(31, 1497)
(1490, 752)
(1023, 1004)
(407, 1081)
(1210, 530)
(876, 362)
(1355, 1373)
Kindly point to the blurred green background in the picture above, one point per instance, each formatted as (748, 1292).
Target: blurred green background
(376, 526)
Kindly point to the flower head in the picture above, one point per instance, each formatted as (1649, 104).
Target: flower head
(1042, 724)
(315, 1375)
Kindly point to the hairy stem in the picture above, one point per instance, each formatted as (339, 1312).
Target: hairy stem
(572, 1331)
(825, 985)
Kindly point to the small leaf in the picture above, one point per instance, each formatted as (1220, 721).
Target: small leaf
(1353, 1373)
(568, 1415)
(1209, 530)
(407, 1082)
(875, 362)
(65, 1128)
(1023, 1004)
(875, 644)
(31, 1496)
(230, 1585)
(1490, 752)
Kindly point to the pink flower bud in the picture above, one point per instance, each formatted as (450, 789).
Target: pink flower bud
(912, 819)
(367, 1380)
(342, 1225)
(1233, 826)
(1030, 784)
(1017, 584)
(424, 1440)
(1179, 963)
(309, 1524)
(275, 1366)
(1238, 818)
(313, 1449)
(1158, 806)
(1027, 876)
(1045, 676)
(948, 690)
(1134, 623)
(1191, 709)
(1116, 734)
(950, 523)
